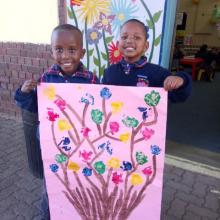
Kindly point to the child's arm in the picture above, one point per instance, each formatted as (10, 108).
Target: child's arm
(26, 96)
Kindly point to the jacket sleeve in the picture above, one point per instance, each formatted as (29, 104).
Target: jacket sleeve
(182, 93)
(27, 101)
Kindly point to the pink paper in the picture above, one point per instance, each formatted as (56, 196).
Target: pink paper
(103, 150)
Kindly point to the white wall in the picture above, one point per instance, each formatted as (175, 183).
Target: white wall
(28, 20)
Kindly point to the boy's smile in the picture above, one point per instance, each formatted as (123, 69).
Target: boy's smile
(67, 50)
(133, 42)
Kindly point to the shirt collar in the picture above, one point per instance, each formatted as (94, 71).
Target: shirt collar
(128, 66)
(80, 72)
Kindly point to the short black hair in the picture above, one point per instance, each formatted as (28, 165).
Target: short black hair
(145, 27)
(67, 27)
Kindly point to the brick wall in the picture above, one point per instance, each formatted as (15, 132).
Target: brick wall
(21, 61)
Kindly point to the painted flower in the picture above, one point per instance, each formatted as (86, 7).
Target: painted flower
(75, 2)
(54, 168)
(115, 55)
(130, 122)
(105, 93)
(126, 166)
(99, 167)
(114, 163)
(50, 92)
(147, 171)
(152, 99)
(73, 166)
(117, 178)
(104, 22)
(93, 36)
(116, 106)
(123, 11)
(60, 158)
(114, 127)
(141, 158)
(147, 133)
(97, 116)
(61, 104)
(86, 155)
(87, 172)
(91, 9)
(88, 99)
(64, 125)
(51, 115)
(155, 150)
(124, 137)
(136, 179)
(85, 131)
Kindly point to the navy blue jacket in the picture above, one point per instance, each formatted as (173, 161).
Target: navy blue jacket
(28, 101)
(143, 73)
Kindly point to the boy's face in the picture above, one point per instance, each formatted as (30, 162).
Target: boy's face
(133, 42)
(67, 50)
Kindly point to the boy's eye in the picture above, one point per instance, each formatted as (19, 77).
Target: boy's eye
(72, 50)
(59, 50)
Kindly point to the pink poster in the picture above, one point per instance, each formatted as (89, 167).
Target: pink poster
(103, 150)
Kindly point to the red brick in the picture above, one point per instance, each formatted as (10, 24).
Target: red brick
(7, 59)
(3, 66)
(28, 61)
(2, 73)
(22, 75)
(3, 85)
(36, 62)
(21, 60)
(24, 53)
(14, 66)
(10, 86)
(3, 51)
(13, 51)
(4, 79)
(14, 59)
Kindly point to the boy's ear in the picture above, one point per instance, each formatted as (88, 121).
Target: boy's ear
(83, 53)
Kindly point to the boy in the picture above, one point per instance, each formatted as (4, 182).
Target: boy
(67, 51)
(134, 70)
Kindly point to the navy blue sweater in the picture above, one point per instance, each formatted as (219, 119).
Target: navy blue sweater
(143, 73)
(28, 101)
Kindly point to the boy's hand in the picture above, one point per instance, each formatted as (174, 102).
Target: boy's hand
(172, 82)
(29, 85)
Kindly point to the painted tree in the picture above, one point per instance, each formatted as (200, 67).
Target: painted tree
(110, 188)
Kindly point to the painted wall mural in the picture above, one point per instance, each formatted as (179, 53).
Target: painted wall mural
(103, 153)
(100, 21)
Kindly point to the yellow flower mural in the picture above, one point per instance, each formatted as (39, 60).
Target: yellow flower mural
(90, 9)
(114, 163)
(50, 92)
(124, 137)
(136, 179)
(73, 166)
(64, 125)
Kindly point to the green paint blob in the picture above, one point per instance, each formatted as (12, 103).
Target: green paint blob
(99, 167)
(97, 116)
(141, 158)
(152, 99)
(60, 158)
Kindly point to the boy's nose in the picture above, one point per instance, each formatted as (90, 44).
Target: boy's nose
(65, 53)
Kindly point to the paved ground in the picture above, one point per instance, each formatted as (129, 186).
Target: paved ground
(191, 189)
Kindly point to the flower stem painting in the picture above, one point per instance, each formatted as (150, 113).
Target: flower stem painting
(100, 22)
(103, 150)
